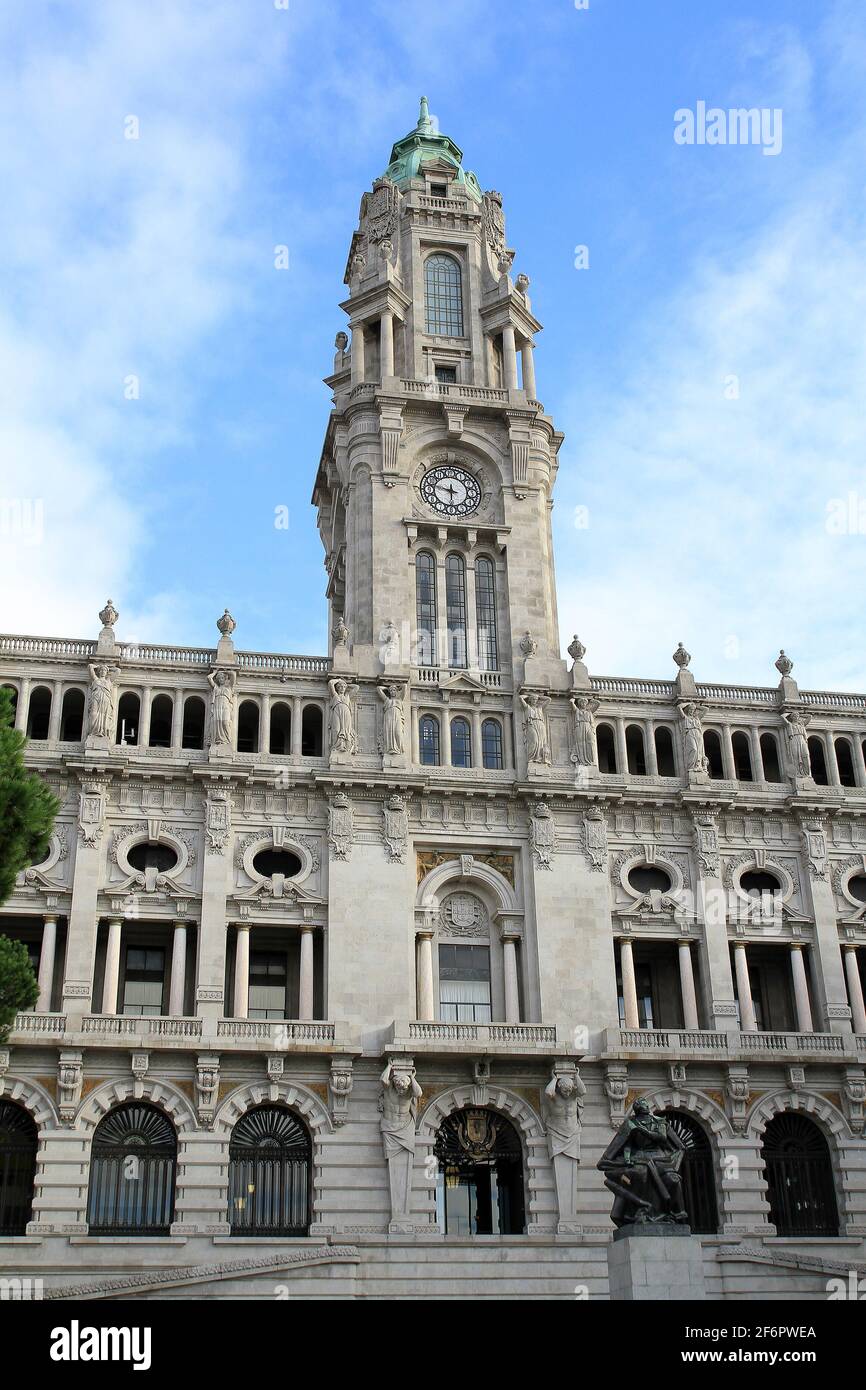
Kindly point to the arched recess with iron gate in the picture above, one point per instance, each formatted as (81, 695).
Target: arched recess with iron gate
(270, 1173)
(19, 1142)
(133, 1169)
(798, 1170)
(698, 1172)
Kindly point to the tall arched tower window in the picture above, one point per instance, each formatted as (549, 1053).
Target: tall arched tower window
(455, 601)
(425, 608)
(485, 604)
(444, 296)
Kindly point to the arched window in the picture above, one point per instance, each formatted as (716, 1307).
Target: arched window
(799, 1176)
(479, 1190)
(428, 741)
(491, 743)
(39, 713)
(818, 762)
(485, 608)
(19, 1141)
(132, 1173)
(770, 758)
(280, 741)
(72, 716)
(634, 747)
(312, 726)
(455, 603)
(248, 727)
(443, 291)
(461, 743)
(604, 742)
(845, 762)
(713, 754)
(697, 1173)
(161, 712)
(742, 757)
(665, 752)
(193, 722)
(13, 696)
(425, 608)
(270, 1174)
(127, 719)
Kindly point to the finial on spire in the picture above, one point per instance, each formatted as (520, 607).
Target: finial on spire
(424, 122)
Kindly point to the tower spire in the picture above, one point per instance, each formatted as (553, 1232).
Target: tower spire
(424, 122)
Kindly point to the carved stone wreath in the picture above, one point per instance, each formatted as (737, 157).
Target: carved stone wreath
(842, 872)
(462, 914)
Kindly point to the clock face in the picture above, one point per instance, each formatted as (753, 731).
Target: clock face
(451, 491)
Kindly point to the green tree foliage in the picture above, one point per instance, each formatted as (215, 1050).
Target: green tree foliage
(18, 987)
(27, 807)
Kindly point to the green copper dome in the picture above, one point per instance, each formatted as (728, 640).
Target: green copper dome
(423, 143)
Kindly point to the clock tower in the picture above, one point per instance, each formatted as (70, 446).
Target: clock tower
(434, 491)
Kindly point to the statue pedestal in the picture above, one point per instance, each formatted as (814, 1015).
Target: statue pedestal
(661, 1263)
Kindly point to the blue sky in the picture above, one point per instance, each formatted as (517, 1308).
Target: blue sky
(260, 125)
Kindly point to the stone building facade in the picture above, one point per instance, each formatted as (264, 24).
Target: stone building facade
(349, 965)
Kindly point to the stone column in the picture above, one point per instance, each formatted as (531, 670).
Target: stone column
(445, 736)
(477, 750)
(687, 985)
(832, 764)
(242, 970)
(297, 724)
(305, 996)
(424, 976)
(801, 989)
(629, 987)
(855, 989)
(357, 353)
(144, 717)
(621, 749)
(528, 368)
(730, 765)
(265, 730)
(471, 615)
(22, 705)
(56, 711)
(859, 761)
(509, 357)
(748, 1022)
(178, 971)
(112, 967)
(652, 762)
(509, 965)
(386, 344)
(443, 649)
(757, 755)
(46, 964)
(177, 721)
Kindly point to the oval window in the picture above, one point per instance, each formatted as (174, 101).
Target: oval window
(857, 887)
(758, 881)
(643, 878)
(148, 856)
(276, 861)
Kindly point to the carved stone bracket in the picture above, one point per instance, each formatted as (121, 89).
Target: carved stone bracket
(340, 1083)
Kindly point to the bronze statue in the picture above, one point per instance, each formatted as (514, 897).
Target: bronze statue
(642, 1164)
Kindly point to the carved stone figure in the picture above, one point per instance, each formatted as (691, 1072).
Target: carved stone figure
(396, 828)
(343, 737)
(340, 825)
(798, 741)
(392, 720)
(340, 631)
(340, 1082)
(222, 707)
(535, 730)
(583, 727)
(528, 644)
(563, 1104)
(100, 701)
(207, 1080)
(389, 645)
(542, 830)
(398, 1105)
(693, 738)
(642, 1164)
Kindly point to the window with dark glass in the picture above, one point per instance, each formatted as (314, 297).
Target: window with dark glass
(479, 1188)
(270, 1174)
(464, 984)
(428, 741)
(485, 609)
(143, 981)
(133, 1161)
(444, 296)
(491, 743)
(455, 602)
(447, 375)
(461, 743)
(425, 608)
(19, 1141)
(268, 984)
(439, 190)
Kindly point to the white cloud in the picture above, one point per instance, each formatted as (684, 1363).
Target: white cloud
(708, 514)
